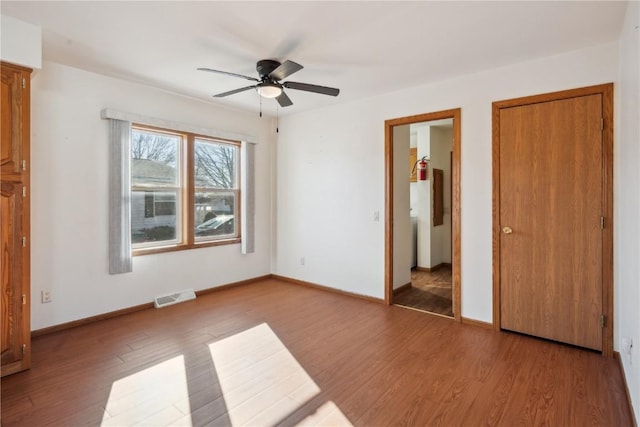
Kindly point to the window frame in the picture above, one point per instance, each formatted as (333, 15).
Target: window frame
(185, 196)
(235, 190)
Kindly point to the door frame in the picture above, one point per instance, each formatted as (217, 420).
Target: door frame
(606, 90)
(455, 201)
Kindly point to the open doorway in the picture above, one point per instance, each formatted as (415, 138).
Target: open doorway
(423, 215)
(430, 160)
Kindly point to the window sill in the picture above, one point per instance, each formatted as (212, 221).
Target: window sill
(184, 247)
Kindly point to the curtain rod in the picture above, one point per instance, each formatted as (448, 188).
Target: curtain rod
(109, 113)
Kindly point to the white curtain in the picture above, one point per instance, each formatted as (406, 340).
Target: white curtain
(120, 259)
(247, 194)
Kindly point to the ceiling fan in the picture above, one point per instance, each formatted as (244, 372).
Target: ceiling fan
(269, 84)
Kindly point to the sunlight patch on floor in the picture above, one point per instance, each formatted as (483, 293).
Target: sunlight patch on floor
(327, 415)
(257, 382)
(148, 396)
(261, 380)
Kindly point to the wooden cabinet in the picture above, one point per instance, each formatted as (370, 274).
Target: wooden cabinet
(15, 330)
(14, 102)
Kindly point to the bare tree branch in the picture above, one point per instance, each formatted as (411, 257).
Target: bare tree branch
(149, 146)
(215, 165)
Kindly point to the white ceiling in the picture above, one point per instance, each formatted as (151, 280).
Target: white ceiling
(363, 48)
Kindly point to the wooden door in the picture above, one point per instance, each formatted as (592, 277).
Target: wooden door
(551, 207)
(11, 100)
(11, 269)
(14, 229)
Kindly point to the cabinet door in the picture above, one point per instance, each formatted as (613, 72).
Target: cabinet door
(14, 99)
(12, 327)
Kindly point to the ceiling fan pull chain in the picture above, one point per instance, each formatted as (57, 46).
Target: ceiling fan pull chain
(260, 106)
(277, 118)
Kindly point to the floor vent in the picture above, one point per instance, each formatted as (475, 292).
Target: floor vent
(165, 300)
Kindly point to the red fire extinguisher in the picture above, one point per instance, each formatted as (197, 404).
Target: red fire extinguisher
(422, 170)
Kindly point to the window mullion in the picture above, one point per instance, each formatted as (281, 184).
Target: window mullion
(189, 192)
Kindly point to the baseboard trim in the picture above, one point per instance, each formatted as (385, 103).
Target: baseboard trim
(326, 288)
(117, 313)
(402, 288)
(87, 320)
(618, 357)
(233, 285)
(434, 268)
(479, 323)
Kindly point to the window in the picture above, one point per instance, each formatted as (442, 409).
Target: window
(184, 190)
(216, 189)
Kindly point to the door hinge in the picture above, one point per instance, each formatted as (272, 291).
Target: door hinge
(24, 241)
(602, 320)
(24, 165)
(601, 123)
(24, 349)
(602, 222)
(24, 299)
(24, 83)
(24, 191)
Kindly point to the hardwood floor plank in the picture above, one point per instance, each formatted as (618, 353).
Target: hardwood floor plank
(428, 291)
(165, 417)
(274, 353)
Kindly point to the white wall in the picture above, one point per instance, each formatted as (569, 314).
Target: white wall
(627, 202)
(69, 217)
(423, 192)
(328, 189)
(441, 141)
(331, 173)
(413, 191)
(20, 42)
(402, 248)
(413, 186)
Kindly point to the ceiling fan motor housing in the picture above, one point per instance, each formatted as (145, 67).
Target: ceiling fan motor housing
(265, 67)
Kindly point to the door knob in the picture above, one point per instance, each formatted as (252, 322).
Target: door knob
(507, 230)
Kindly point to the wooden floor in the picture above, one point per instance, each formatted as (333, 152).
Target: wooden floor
(430, 291)
(273, 353)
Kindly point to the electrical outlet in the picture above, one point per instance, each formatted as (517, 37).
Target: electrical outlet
(45, 296)
(301, 260)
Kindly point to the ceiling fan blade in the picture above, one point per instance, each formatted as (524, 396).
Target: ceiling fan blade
(312, 88)
(211, 70)
(284, 100)
(285, 70)
(231, 92)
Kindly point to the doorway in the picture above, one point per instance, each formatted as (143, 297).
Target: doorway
(553, 234)
(398, 224)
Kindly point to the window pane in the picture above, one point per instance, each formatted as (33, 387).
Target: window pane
(165, 203)
(155, 159)
(215, 164)
(153, 217)
(215, 215)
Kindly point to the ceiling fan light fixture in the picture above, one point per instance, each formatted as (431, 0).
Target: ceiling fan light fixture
(269, 90)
